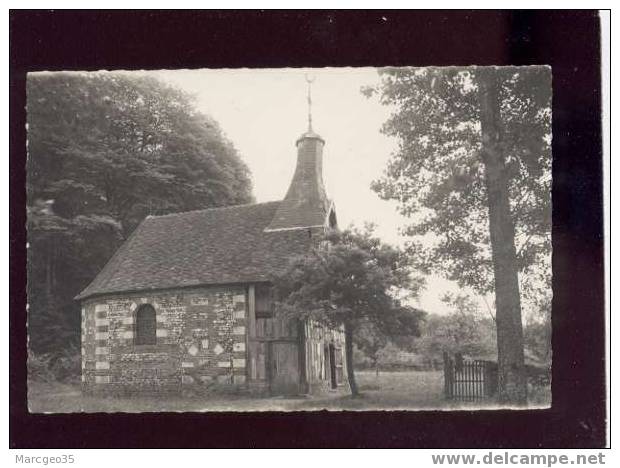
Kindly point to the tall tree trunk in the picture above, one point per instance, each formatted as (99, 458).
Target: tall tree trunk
(348, 346)
(512, 379)
(301, 337)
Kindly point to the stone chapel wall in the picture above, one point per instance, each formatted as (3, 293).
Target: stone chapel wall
(201, 342)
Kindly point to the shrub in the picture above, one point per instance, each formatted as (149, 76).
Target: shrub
(39, 367)
(64, 366)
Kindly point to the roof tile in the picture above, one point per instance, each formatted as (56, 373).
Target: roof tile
(213, 246)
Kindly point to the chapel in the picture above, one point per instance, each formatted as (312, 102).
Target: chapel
(186, 303)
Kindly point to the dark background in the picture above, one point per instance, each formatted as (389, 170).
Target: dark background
(569, 41)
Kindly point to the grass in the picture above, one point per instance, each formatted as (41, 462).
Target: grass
(409, 390)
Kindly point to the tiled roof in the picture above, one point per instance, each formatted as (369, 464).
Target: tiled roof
(213, 246)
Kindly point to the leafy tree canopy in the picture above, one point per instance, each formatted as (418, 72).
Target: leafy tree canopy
(104, 151)
(464, 330)
(473, 173)
(126, 146)
(437, 173)
(352, 280)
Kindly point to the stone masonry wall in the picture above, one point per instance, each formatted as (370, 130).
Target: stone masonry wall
(201, 342)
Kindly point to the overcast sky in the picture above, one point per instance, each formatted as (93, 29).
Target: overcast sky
(263, 112)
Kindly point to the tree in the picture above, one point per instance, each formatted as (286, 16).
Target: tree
(473, 173)
(464, 330)
(353, 280)
(537, 333)
(371, 341)
(104, 151)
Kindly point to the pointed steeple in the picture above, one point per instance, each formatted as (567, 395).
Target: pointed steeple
(305, 204)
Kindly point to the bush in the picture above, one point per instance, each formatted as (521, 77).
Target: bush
(39, 367)
(62, 367)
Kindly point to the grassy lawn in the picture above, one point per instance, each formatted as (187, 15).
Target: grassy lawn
(391, 390)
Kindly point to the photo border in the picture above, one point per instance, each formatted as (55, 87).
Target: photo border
(569, 41)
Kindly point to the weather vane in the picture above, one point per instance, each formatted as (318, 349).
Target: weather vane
(309, 81)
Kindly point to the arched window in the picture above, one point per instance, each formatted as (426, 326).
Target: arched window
(146, 325)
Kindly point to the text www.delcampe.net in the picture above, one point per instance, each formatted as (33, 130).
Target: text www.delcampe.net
(507, 458)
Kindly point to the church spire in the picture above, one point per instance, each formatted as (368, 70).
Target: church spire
(310, 132)
(305, 204)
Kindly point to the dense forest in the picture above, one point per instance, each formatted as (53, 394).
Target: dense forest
(104, 151)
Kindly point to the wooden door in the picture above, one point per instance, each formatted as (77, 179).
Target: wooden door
(332, 366)
(284, 368)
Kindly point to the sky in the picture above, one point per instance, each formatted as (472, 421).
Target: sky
(263, 112)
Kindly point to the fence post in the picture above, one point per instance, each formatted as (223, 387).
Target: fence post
(447, 375)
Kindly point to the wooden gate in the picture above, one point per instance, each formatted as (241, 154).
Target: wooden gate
(469, 380)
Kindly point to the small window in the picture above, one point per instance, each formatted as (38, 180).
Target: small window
(146, 326)
(264, 304)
